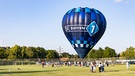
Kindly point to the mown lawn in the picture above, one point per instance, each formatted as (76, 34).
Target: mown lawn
(36, 70)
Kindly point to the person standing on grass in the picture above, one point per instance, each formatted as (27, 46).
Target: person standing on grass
(94, 66)
(107, 63)
(127, 65)
(43, 64)
(91, 67)
(99, 67)
(102, 67)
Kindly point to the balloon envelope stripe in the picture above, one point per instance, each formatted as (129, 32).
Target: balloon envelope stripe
(87, 10)
(93, 16)
(81, 17)
(71, 17)
(97, 12)
(68, 19)
(78, 9)
(87, 18)
(70, 10)
(102, 19)
(64, 20)
(76, 18)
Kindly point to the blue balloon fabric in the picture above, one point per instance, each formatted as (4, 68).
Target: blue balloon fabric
(83, 27)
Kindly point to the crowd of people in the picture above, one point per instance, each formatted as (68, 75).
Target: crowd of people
(100, 66)
(94, 65)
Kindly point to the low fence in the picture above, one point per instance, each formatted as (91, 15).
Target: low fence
(16, 62)
(115, 60)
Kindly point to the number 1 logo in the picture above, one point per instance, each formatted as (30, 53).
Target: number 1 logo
(92, 28)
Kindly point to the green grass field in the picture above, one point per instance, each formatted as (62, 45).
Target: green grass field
(36, 70)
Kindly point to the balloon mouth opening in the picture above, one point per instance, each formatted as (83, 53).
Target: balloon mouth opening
(82, 52)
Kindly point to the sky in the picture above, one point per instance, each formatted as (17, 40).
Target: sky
(39, 23)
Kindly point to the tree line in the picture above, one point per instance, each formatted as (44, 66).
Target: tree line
(102, 53)
(24, 52)
(129, 53)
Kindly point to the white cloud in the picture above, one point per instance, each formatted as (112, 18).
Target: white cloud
(118, 1)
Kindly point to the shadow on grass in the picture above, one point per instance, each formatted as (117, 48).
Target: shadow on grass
(3, 69)
(19, 72)
(113, 71)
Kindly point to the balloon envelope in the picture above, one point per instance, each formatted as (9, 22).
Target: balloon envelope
(83, 27)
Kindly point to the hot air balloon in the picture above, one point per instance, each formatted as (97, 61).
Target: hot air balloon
(83, 28)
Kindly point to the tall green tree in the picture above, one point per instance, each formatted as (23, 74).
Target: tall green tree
(122, 54)
(29, 52)
(15, 52)
(7, 52)
(23, 52)
(65, 54)
(41, 52)
(52, 54)
(100, 53)
(109, 52)
(130, 52)
(35, 52)
(92, 54)
(2, 51)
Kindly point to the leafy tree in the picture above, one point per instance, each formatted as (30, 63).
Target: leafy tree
(109, 52)
(65, 54)
(92, 53)
(71, 55)
(35, 52)
(118, 54)
(52, 54)
(7, 52)
(130, 52)
(76, 56)
(29, 52)
(2, 51)
(122, 54)
(23, 52)
(41, 52)
(100, 53)
(15, 52)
